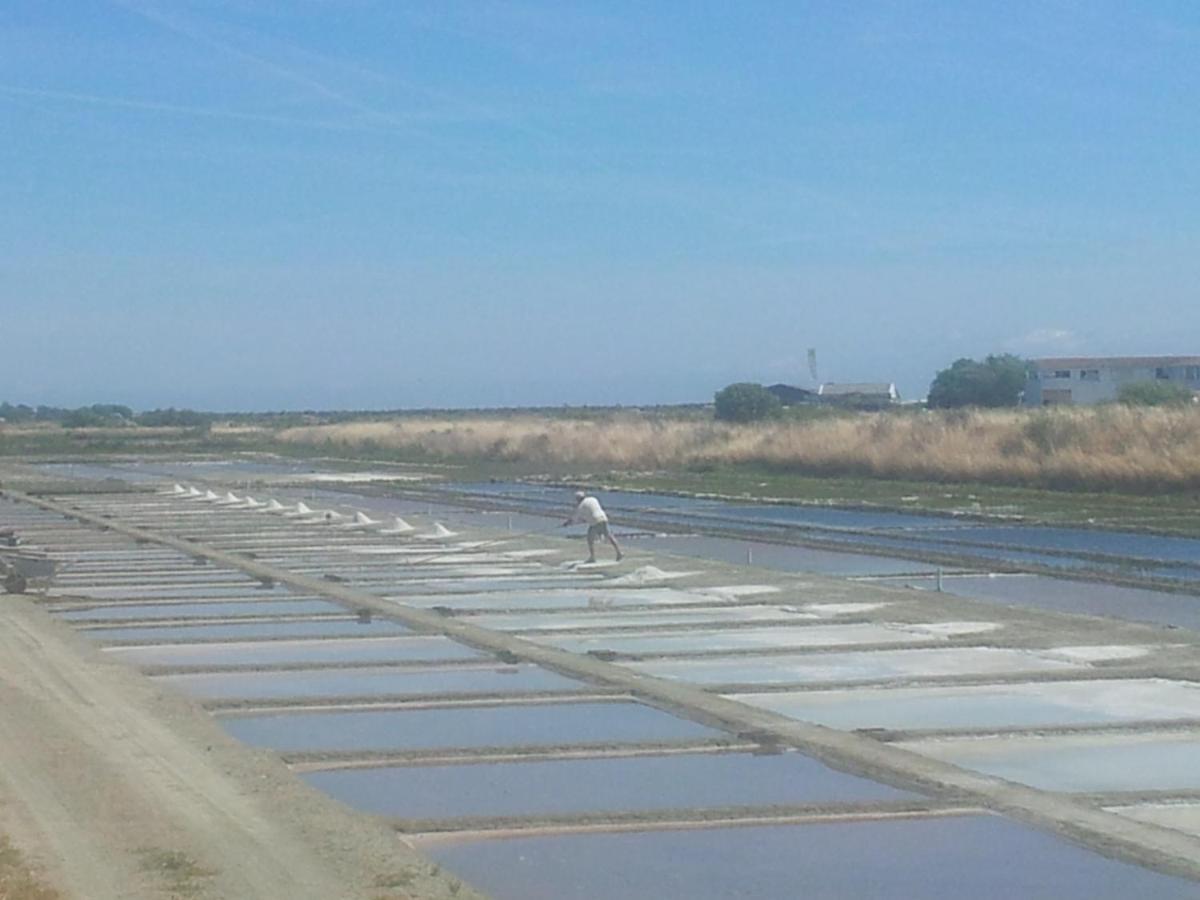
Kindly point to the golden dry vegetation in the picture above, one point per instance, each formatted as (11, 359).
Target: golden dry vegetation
(17, 880)
(1104, 448)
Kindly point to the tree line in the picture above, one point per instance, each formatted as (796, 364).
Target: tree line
(995, 381)
(102, 415)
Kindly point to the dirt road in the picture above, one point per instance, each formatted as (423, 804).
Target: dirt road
(118, 790)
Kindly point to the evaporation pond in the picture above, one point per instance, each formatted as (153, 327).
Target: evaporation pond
(417, 648)
(465, 726)
(579, 598)
(137, 575)
(516, 583)
(1179, 816)
(318, 628)
(981, 857)
(159, 592)
(1094, 763)
(700, 641)
(854, 666)
(569, 621)
(780, 557)
(390, 682)
(570, 786)
(150, 611)
(1059, 595)
(990, 706)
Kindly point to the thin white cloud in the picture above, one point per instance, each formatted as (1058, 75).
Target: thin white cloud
(274, 69)
(133, 103)
(1044, 339)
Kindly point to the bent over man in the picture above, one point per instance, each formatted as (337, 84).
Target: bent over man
(590, 513)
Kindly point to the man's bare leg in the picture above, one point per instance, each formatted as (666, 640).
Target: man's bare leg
(591, 539)
(612, 540)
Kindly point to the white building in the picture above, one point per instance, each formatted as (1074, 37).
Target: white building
(1083, 380)
(859, 393)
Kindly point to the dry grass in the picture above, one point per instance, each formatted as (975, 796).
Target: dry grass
(1105, 448)
(17, 880)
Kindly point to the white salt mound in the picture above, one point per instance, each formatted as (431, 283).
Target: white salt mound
(649, 575)
(842, 609)
(440, 532)
(1097, 653)
(951, 629)
(739, 590)
(399, 527)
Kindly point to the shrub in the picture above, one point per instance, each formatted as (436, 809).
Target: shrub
(185, 418)
(1154, 393)
(746, 402)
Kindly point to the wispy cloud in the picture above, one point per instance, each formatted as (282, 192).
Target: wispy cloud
(447, 107)
(155, 106)
(279, 71)
(1040, 340)
(186, 29)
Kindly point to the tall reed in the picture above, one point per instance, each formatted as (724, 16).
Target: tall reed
(1111, 447)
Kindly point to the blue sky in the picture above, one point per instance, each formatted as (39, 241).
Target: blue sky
(248, 204)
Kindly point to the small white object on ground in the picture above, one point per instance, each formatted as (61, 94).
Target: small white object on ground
(650, 575)
(950, 629)
(841, 609)
(361, 520)
(1096, 652)
(739, 590)
(584, 564)
(440, 533)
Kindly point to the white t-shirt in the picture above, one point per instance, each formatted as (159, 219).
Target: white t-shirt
(589, 512)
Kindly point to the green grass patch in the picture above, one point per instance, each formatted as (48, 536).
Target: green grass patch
(181, 874)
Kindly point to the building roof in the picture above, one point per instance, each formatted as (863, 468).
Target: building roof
(1131, 362)
(788, 392)
(871, 388)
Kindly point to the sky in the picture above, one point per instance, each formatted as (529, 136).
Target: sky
(320, 204)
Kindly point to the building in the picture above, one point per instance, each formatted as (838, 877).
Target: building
(790, 395)
(859, 394)
(1084, 380)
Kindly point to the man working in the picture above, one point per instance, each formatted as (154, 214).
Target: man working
(589, 512)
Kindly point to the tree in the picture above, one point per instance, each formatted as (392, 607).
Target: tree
(1154, 393)
(746, 402)
(184, 418)
(997, 381)
(84, 418)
